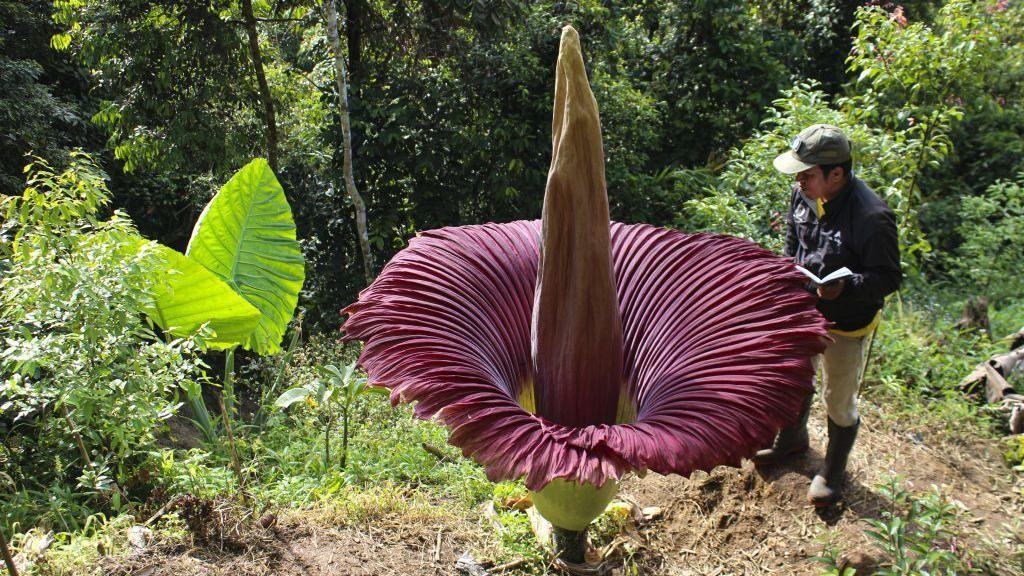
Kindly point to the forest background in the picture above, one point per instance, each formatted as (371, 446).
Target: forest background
(450, 111)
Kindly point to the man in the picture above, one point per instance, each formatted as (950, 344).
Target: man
(835, 220)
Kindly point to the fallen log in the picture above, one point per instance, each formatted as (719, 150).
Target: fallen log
(1017, 340)
(992, 375)
(996, 386)
(1017, 418)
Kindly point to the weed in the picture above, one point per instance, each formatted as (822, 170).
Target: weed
(516, 541)
(919, 533)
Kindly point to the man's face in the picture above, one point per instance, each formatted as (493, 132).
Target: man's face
(814, 184)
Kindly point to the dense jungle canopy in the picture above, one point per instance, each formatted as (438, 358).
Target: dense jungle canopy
(449, 105)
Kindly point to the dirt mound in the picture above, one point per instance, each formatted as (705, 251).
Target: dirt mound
(758, 521)
(232, 543)
(732, 521)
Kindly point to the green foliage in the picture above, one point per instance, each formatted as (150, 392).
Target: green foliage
(168, 73)
(914, 71)
(283, 459)
(196, 471)
(334, 389)
(450, 106)
(450, 109)
(696, 45)
(914, 84)
(190, 297)
(516, 540)
(917, 533)
(918, 359)
(1014, 454)
(752, 196)
(956, 79)
(990, 258)
(77, 353)
(831, 557)
(43, 102)
(242, 270)
(200, 417)
(240, 277)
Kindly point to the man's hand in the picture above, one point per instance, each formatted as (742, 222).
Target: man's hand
(832, 290)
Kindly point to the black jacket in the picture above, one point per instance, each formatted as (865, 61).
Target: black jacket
(857, 230)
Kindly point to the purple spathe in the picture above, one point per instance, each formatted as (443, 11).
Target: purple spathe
(717, 339)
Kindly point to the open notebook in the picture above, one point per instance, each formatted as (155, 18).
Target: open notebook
(843, 272)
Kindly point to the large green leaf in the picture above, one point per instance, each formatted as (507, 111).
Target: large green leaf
(246, 236)
(189, 295)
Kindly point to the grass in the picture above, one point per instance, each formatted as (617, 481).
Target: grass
(79, 553)
(919, 358)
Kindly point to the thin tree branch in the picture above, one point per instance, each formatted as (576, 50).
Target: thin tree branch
(346, 132)
(261, 78)
(266, 20)
(11, 568)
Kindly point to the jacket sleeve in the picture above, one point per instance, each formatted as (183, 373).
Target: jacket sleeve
(791, 242)
(880, 259)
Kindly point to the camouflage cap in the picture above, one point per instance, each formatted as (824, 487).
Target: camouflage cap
(816, 145)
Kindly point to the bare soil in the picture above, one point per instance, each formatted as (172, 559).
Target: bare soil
(732, 521)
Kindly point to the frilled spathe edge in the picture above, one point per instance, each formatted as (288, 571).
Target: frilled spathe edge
(718, 335)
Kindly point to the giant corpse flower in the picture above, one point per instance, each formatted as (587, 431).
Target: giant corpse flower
(571, 350)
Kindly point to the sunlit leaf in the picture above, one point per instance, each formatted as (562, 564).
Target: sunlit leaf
(189, 295)
(246, 236)
(291, 396)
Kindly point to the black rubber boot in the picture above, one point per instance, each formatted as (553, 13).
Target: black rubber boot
(827, 486)
(790, 441)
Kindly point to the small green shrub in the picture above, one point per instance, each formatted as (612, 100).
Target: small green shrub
(285, 456)
(989, 261)
(917, 360)
(85, 383)
(1014, 454)
(919, 533)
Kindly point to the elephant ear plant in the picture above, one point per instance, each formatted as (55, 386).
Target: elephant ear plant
(240, 275)
(570, 351)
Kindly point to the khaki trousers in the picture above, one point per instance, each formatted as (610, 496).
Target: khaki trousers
(842, 367)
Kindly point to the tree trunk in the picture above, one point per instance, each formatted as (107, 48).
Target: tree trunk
(261, 79)
(354, 31)
(975, 316)
(1017, 340)
(346, 133)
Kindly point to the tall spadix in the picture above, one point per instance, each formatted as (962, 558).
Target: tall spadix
(576, 330)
